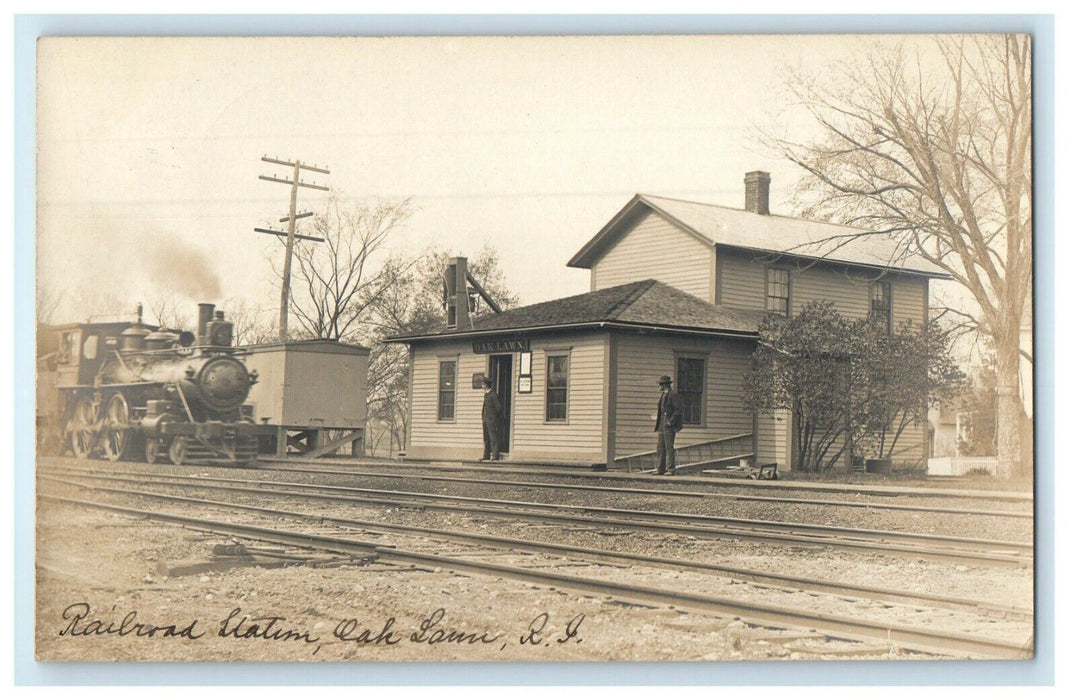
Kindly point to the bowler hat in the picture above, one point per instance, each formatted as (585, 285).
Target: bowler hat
(486, 381)
(665, 379)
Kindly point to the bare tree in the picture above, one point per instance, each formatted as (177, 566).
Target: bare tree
(414, 304)
(934, 152)
(252, 324)
(167, 311)
(338, 280)
(47, 303)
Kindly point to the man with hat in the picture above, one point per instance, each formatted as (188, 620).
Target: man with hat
(669, 422)
(491, 421)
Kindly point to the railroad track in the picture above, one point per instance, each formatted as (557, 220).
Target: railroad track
(660, 492)
(964, 550)
(716, 482)
(917, 638)
(873, 593)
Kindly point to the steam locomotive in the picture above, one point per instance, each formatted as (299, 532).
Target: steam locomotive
(132, 391)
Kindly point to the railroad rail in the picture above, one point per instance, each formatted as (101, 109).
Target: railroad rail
(840, 626)
(966, 550)
(818, 585)
(666, 493)
(716, 482)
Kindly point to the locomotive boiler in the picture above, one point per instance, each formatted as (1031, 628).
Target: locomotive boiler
(127, 391)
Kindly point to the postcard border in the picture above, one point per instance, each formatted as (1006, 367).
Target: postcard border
(1040, 671)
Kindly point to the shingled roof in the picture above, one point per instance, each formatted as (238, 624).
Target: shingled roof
(768, 233)
(647, 304)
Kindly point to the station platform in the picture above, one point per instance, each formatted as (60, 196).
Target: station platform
(588, 472)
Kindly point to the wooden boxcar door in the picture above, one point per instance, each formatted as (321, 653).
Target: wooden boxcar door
(500, 371)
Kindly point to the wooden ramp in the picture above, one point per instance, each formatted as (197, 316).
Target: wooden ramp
(696, 457)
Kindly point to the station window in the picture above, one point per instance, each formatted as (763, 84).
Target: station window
(556, 388)
(446, 394)
(777, 290)
(882, 303)
(690, 384)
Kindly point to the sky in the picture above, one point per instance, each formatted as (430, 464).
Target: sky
(149, 148)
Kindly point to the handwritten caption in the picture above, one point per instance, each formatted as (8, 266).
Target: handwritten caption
(433, 629)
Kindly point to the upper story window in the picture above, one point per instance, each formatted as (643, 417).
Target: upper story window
(446, 393)
(556, 388)
(690, 384)
(882, 303)
(777, 290)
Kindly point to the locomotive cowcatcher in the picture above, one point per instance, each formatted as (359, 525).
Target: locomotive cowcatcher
(134, 391)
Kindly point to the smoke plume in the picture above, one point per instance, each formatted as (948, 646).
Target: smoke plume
(176, 265)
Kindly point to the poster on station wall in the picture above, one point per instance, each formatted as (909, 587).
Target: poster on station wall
(748, 283)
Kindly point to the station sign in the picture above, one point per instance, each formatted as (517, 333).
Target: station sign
(491, 347)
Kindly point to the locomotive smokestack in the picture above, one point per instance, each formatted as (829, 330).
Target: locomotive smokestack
(205, 315)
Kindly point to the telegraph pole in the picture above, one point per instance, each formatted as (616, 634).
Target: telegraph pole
(290, 235)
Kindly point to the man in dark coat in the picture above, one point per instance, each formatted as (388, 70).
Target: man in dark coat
(491, 422)
(669, 422)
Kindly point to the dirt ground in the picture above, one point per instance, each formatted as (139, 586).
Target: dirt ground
(103, 595)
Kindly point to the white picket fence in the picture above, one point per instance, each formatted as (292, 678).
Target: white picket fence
(959, 466)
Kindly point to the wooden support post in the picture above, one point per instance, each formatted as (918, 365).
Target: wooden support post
(281, 442)
(754, 437)
(330, 445)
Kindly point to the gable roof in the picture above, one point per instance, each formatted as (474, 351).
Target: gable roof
(768, 233)
(647, 304)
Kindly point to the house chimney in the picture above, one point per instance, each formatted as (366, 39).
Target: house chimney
(457, 300)
(757, 192)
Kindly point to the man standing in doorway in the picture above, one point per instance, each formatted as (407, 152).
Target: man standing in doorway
(670, 421)
(491, 422)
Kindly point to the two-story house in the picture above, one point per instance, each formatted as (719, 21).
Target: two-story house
(678, 288)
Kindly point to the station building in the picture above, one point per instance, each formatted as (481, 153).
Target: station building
(677, 288)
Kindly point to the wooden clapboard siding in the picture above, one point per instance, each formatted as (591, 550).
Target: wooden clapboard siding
(581, 436)
(911, 446)
(267, 396)
(773, 438)
(743, 286)
(466, 429)
(315, 384)
(910, 300)
(325, 388)
(656, 249)
(641, 360)
(743, 280)
(849, 292)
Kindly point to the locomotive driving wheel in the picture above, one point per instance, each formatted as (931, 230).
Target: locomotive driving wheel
(82, 427)
(177, 452)
(118, 434)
